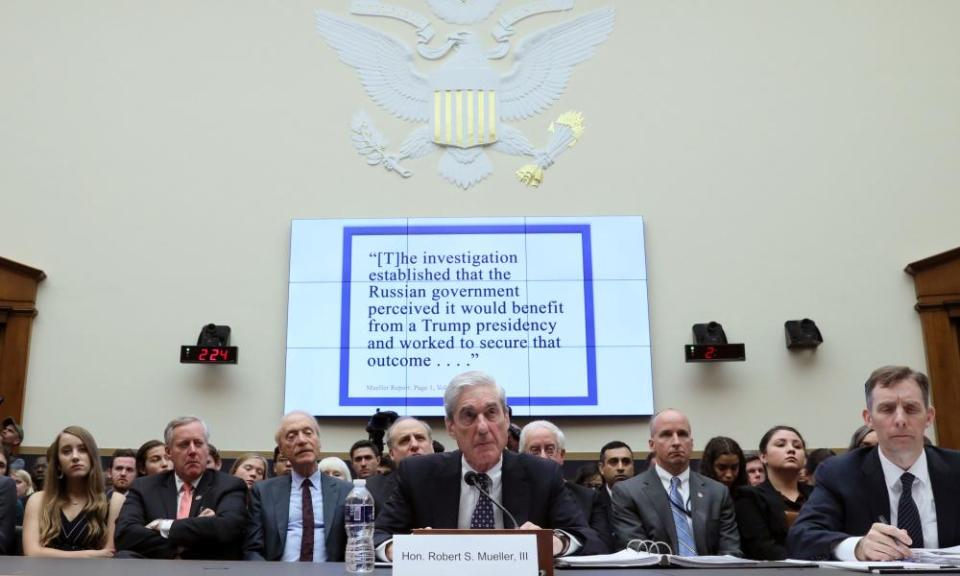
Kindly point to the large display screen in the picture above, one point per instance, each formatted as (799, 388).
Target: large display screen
(383, 313)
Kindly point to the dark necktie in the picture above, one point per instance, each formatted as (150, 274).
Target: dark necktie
(306, 539)
(908, 517)
(483, 513)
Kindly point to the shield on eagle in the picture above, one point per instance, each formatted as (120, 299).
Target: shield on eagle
(464, 107)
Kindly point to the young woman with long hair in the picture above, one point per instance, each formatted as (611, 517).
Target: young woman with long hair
(251, 468)
(71, 517)
(724, 462)
(765, 512)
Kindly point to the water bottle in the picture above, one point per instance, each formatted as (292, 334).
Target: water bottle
(358, 519)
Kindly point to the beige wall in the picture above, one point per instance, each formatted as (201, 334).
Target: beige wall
(789, 157)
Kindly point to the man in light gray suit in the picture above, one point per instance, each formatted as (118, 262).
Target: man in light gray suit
(670, 503)
(281, 507)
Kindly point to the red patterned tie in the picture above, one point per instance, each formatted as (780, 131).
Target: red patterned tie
(186, 493)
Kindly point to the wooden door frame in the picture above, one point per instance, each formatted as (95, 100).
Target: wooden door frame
(937, 283)
(18, 299)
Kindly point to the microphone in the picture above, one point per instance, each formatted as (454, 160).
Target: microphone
(471, 479)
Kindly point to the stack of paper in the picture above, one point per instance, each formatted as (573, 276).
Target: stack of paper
(942, 556)
(881, 567)
(633, 559)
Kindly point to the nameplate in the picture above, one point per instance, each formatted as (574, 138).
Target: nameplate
(465, 555)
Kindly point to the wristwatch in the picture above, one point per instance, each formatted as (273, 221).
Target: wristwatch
(564, 541)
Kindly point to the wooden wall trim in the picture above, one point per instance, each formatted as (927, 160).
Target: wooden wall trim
(937, 283)
(943, 364)
(18, 294)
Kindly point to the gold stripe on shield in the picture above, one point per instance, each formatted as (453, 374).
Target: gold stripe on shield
(447, 115)
(470, 131)
(480, 117)
(460, 118)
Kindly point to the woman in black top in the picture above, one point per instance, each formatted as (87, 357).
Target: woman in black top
(765, 512)
(71, 517)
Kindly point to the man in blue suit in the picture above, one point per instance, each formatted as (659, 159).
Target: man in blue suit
(281, 507)
(877, 503)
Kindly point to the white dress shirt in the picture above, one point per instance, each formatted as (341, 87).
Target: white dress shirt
(922, 492)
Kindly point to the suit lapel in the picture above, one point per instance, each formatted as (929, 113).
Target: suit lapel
(945, 497)
(447, 507)
(281, 507)
(330, 492)
(169, 496)
(700, 507)
(875, 486)
(515, 489)
(661, 503)
(201, 492)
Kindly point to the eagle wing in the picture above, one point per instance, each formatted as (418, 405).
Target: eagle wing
(383, 63)
(545, 60)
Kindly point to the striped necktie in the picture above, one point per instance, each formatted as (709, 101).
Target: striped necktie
(685, 542)
(908, 517)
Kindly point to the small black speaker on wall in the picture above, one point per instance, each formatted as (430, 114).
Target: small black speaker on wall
(709, 333)
(802, 334)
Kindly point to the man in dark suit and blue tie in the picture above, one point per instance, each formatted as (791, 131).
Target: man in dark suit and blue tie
(670, 503)
(188, 512)
(283, 509)
(439, 490)
(876, 503)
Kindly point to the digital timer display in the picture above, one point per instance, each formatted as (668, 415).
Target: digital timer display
(208, 354)
(715, 352)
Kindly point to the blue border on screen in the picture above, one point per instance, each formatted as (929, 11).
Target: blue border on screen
(590, 399)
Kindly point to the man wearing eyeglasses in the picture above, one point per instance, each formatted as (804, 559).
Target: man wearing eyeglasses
(407, 437)
(670, 503)
(442, 490)
(542, 438)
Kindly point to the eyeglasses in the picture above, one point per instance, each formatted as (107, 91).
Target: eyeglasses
(548, 450)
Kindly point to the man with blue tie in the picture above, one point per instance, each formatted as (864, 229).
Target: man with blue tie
(298, 517)
(877, 503)
(454, 489)
(671, 504)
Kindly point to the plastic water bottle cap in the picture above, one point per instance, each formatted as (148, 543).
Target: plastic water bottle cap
(360, 482)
